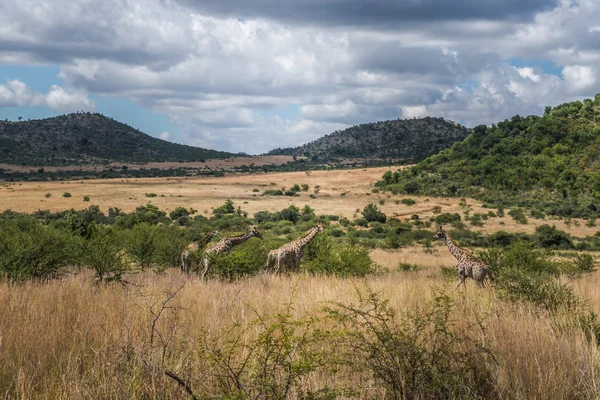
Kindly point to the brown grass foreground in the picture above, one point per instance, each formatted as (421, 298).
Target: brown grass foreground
(71, 339)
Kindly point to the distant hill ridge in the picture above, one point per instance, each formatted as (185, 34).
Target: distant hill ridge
(410, 140)
(84, 138)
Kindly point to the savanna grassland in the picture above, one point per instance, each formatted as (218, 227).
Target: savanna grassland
(395, 328)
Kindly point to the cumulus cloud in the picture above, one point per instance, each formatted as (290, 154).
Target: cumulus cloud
(221, 70)
(16, 94)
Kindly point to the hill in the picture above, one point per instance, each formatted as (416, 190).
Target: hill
(409, 140)
(84, 138)
(549, 162)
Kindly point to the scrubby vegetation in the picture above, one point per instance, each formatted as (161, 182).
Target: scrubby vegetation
(548, 163)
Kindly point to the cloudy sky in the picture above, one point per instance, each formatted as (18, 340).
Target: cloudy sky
(251, 75)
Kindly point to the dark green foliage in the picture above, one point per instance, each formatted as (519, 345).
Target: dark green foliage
(179, 212)
(446, 218)
(84, 138)
(86, 198)
(550, 237)
(408, 202)
(549, 162)
(372, 214)
(322, 256)
(361, 222)
(272, 193)
(246, 260)
(102, 251)
(66, 194)
(518, 215)
(141, 244)
(419, 355)
(30, 250)
(407, 140)
(227, 208)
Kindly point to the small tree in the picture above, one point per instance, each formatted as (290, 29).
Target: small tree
(372, 214)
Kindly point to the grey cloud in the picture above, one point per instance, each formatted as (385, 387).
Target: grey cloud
(380, 13)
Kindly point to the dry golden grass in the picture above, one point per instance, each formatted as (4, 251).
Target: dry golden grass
(71, 339)
(342, 192)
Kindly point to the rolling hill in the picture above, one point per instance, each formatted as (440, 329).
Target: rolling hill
(550, 162)
(408, 140)
(84, 138)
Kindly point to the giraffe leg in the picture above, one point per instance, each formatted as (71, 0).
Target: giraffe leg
(184, 263)
(461, 279)
(206, 263)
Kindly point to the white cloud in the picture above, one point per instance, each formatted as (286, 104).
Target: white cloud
(166, 135)
(579, 78)
(16, 94)
(221, 80)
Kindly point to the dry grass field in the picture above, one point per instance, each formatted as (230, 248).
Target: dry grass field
(71, 339)
(340, 192)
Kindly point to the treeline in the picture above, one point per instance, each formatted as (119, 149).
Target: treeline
(549, 162)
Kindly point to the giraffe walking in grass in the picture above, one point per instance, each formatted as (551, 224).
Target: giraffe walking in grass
(468, 266)
(193, 248)
(224, 246)
(290, 254)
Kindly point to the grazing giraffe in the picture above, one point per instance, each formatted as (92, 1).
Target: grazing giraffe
(468, 266)
(290, 254)
(224, 246)
(192, 248)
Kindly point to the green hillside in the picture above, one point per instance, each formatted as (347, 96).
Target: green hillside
(409, 140)
(83, 138)
(549, 162)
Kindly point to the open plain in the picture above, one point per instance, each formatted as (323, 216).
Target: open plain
(71, 338)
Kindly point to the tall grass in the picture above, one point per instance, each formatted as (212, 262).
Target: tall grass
(71, 338)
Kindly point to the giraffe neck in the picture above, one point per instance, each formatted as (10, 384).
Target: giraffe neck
(303, 241)
(456, 251)
(205, 239)
(235, 240)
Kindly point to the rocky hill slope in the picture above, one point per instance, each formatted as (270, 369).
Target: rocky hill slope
(409, 140)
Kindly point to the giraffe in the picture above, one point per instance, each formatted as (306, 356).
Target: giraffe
(224, 246)
(468, 266)
(290, 254)
(192, 248)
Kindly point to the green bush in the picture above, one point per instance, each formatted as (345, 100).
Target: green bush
(66, 194)
(372, 214)
(550, 237)
(103, 253)
(408, 202)
(30, 250)
(245, 260)
(446, 218)
(324, 257)
(141, 244)
(518, 215)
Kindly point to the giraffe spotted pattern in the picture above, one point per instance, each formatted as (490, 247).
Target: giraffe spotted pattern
(193, 248)
(468, 266)
(289, 255)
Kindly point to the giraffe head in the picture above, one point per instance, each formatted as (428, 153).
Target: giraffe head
(254, 232)
(320, 227)
(440, 235)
